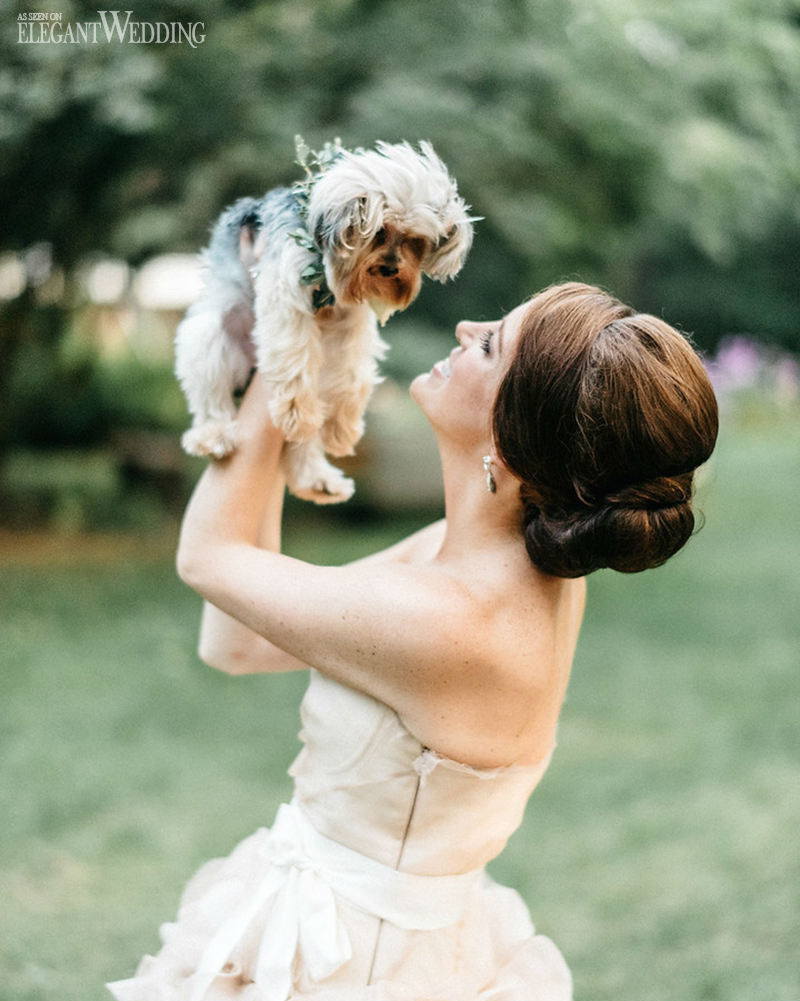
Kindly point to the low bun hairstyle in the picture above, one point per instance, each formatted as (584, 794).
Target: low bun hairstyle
(603, 414)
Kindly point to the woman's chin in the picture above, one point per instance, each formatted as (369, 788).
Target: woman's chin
(418, 388)
(424, 395)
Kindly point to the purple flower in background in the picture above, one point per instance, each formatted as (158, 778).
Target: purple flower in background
(742, 364)
(739, 364)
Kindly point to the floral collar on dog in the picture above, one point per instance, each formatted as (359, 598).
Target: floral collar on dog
(313, 163)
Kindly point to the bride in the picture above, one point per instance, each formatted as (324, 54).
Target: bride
(569, 433)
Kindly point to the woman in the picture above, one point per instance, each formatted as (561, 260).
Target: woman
(440, 664)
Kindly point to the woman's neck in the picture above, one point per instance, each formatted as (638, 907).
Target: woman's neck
(477, 519)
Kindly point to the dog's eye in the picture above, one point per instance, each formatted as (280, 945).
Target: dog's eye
(416, 246)
(380, 237)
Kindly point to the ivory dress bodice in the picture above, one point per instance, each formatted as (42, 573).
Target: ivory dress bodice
(366, 782)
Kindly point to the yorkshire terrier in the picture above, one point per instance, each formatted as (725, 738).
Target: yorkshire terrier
(295, 285)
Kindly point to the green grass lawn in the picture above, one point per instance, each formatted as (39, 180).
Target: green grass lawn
(662, 851)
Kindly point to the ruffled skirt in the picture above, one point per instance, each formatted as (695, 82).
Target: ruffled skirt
(264, 924)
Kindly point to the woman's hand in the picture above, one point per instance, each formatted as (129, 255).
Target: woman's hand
(254, 418)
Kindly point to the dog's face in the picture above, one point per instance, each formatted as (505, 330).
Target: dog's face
(386, 272)
(383, 219)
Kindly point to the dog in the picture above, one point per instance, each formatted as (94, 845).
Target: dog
(295, 284)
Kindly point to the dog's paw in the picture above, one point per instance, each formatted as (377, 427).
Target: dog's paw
(339, 438)
(216, 438)
(297, 422)
(331, 488)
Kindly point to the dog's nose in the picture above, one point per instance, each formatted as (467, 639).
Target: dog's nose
(387, 271)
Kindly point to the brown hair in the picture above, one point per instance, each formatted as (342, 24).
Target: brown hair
(603, 414)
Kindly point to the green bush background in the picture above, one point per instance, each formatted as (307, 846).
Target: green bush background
(650, 147)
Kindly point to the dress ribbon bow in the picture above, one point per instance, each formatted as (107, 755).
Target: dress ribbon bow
(302, 919)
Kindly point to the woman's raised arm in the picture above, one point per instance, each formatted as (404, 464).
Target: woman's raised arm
(239, 503)
(228, 645)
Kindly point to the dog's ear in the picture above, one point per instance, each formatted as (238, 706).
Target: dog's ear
(350, 225)
(446, 258)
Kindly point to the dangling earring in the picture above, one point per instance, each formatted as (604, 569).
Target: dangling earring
(491, 486)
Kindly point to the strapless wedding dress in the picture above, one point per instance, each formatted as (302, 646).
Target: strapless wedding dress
(370, 884)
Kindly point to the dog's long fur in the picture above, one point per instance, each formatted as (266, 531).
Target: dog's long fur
(380, 219)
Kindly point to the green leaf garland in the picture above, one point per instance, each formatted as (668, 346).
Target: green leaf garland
(313, 163)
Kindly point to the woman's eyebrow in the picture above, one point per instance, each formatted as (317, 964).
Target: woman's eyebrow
(500, 336)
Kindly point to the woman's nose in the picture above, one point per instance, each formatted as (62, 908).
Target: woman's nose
(466, 331)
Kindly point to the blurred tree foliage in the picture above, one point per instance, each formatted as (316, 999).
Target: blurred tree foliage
(652, 147)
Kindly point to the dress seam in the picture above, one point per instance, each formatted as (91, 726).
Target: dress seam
(399, 859)
(404, 838)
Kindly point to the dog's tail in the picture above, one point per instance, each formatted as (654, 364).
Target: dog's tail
(230, 253)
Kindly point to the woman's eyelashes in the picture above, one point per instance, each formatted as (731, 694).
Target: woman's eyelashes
(486, 342)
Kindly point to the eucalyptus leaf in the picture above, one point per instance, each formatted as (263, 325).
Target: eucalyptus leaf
(311, 275)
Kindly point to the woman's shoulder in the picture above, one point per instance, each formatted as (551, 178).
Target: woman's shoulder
(518, 597)
(418, 548)
(499, 607)
(505, 657)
